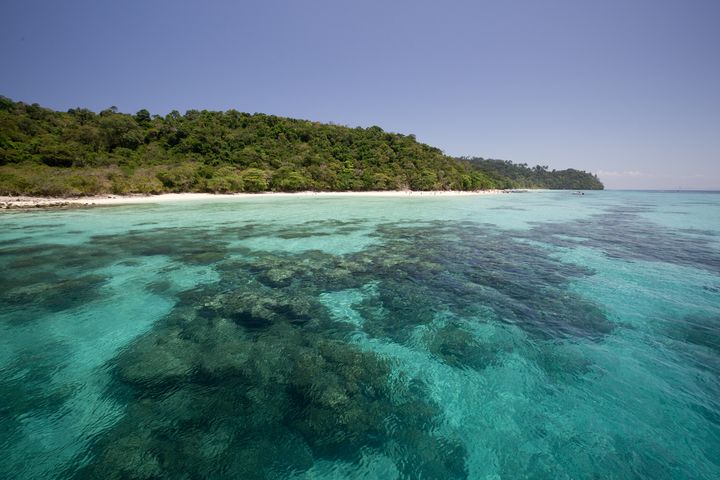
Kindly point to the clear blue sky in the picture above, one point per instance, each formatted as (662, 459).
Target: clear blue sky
(629, 89)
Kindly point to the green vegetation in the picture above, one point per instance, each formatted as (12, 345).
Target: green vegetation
(79, 152)
(506, 174)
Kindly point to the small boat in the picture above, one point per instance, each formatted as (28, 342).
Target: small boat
(578, 193)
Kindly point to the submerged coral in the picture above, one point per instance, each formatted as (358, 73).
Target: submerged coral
(256, 374)
(251, 376)
(641, 239)
(209, 394)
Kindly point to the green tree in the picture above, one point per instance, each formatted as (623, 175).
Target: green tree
(142, 117)
(285, 179)
(255, 180)
(424, 180)
(120, 131)
(225, 179)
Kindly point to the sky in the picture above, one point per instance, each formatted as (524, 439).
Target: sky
(627, 89)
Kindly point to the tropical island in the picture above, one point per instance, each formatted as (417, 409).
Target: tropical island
(79, 153)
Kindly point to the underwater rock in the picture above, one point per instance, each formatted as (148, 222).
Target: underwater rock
(289, 235)
(255, 307)
(422, 272)
(347, 402)
(225, 350)
(186, 245)
(61, 294)
(256, 402)
(129, 457)
(274, 453)
(701, 330)
(27, 388)
(250, 310)
(461, 348)
(276, 277)
(431, 457)
(640, 240)
(204, 257)
(560, 363)
(160, 287)
(160, 357)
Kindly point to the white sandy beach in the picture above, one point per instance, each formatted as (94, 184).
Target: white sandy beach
(24, 202)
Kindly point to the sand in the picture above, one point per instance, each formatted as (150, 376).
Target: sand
(23, 202)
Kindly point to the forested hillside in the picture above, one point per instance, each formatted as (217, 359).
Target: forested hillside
(79, 152)
(506, 174)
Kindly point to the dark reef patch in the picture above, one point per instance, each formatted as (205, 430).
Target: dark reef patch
(460, 348)
(315, 228)
(26, 388)
(508, 208)
(42, 226)
(630, 237)
(702, 330)
(696, 338)
(50, 291)
(423, 270)
(279, 398)
(306, 233)
(186, 245)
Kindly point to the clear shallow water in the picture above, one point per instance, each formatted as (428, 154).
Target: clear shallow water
(539, 335)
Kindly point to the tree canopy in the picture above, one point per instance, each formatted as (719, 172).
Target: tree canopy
(507, 174)
(80, 152)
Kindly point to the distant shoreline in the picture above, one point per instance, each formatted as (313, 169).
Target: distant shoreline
(19, 202)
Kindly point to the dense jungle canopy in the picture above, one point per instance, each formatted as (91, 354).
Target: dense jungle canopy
(79, 152)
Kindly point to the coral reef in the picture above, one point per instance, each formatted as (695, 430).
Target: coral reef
(251, 376)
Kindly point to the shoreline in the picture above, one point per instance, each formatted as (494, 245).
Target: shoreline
(20, 202)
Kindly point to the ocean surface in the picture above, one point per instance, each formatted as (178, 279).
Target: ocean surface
(535, 335)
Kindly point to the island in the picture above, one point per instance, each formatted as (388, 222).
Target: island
(77, 153)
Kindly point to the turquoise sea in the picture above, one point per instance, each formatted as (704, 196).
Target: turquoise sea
(536, 335)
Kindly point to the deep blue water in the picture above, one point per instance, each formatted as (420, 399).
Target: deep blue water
(538, 335)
